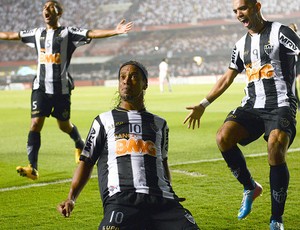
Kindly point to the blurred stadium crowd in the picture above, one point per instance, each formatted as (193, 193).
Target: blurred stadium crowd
(179, 30)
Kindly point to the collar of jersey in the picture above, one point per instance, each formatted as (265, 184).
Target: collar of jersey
(125, 110)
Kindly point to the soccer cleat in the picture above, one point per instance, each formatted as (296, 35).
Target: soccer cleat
(28, 171)
(248, 198)
(77, 155)
(78, 151)
(274, 225)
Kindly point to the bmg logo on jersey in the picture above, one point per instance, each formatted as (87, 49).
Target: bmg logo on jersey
(132, 145)
(50, 58)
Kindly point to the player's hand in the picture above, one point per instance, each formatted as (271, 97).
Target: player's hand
(66, 207)
(194, 116)
(124, 28)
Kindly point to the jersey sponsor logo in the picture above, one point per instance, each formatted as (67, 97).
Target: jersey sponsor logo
(124, 147)
(75, 30)
(287, 42)
(50, 58)
(27, 32)
(261, 72)
(109, 227)
(233, 55)
(89, 141)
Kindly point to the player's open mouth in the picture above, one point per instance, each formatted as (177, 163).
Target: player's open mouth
(245, 22)
(47, 16)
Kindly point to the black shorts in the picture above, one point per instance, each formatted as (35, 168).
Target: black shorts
(44, 105)
(136, 211)
(263, 121)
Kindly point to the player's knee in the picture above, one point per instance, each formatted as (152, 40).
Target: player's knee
(223, 140)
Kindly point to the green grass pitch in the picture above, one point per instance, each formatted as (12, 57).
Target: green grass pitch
(198, 173)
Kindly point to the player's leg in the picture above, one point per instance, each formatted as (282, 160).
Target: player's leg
(123, 217)
(279, 174)
(71, 129)
(40, 108)
(161, 82)
(228, 136)
(62, 111)
(241, 126)
(169, 83)
(174, 217)
(280, 133)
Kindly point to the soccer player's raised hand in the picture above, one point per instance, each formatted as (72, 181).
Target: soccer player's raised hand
(194, 116)
(124, 28)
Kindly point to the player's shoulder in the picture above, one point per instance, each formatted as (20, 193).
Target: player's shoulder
(158, 119)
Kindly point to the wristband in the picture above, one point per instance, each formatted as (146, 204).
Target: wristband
(204, 103)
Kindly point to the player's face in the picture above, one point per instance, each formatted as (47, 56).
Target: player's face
(247, 14)
(131, 83)
(50, 14)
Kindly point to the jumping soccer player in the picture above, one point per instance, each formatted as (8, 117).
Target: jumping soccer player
(130, 146)
(267, 54)
(51, 94)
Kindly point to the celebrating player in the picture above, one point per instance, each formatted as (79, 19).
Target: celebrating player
(51, 94)
(267, 54)
(130, 146)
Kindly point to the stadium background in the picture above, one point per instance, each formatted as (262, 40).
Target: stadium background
(179, 30)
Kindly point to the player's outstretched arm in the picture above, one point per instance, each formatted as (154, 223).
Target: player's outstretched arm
(121, 28)
(193, 118)
(9, 36)
(80, 178)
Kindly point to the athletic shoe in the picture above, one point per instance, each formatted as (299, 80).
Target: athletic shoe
(248, 198)
(274, 225)
(77, 155)
(28, 171)
(78, 151)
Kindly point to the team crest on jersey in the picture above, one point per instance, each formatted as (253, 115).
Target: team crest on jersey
(268, 49)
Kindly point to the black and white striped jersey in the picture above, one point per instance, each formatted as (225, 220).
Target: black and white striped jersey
(54, 50)
(130, 147)
(268, 59)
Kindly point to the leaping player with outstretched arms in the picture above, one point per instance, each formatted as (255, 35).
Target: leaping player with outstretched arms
(51, 90)
(267, 54)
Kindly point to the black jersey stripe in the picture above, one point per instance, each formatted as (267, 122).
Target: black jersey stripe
(125, 173)
(263, 46)
(42, 66)
(56, 49)
(149, 133)
(247, 50)
(268, 84)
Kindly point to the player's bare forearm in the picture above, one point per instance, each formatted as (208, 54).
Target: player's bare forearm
(121, 28)
(80, 178)
(222, 85)
(9, 36)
